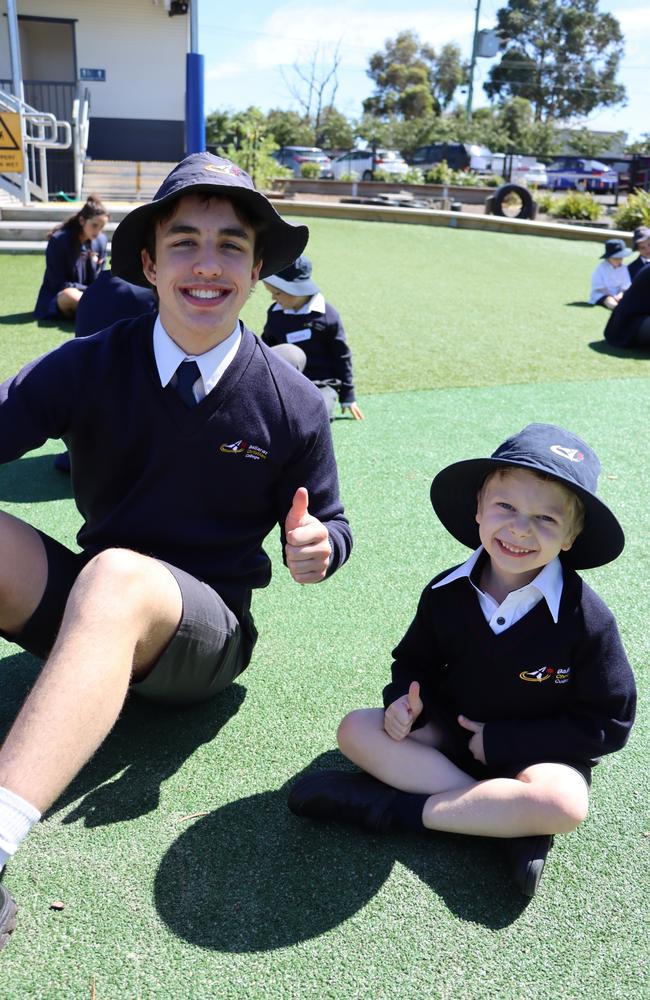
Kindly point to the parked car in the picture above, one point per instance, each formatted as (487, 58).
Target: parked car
(360, 162)
(293, 157)
(459, 156)
(575, 173)
(533, 175)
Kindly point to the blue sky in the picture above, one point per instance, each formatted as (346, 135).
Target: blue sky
(250, 48)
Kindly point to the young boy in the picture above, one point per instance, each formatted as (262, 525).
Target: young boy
(307, 331)
(610, 279)
(511, 682)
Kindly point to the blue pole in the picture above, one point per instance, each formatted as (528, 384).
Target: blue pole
(194, 103)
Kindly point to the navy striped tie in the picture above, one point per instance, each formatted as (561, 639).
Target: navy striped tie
(186, 375)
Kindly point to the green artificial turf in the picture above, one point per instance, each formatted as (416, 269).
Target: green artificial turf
(181, 871)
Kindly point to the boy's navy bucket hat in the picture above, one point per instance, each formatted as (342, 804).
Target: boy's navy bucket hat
(543, 448)
(295, 279)
(200, 172)
(615, 248)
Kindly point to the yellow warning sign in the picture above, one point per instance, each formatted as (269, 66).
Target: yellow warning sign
(11, 143)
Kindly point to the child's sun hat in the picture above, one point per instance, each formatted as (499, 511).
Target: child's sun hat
(542, 448)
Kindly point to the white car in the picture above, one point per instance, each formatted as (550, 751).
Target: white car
(532, 176)
(359, 163)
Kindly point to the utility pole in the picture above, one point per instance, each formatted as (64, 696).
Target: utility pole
(194, 99)
(470, 88)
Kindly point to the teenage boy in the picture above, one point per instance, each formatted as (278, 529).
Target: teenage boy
(307, 331)
(610, 279)
(189, 440)
(511, 682)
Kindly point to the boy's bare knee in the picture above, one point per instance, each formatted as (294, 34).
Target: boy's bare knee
(355, 726)
(561, 806)
(123, 584)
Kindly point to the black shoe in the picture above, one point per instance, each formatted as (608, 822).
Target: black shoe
(7, 916)
(349, 796)
(527, 857)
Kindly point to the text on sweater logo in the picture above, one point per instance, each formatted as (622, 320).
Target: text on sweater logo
(244, 448)
(537, 676)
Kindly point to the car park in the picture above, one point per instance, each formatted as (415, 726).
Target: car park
(360, 162)
(294, 157)
(532, 175)
(577, 174)
(458, 156)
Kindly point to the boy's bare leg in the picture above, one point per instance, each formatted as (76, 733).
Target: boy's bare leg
(411, 765)
(543, 799)
(122, 611)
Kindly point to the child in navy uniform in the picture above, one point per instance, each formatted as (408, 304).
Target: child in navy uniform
(307, 331)
(511, 681)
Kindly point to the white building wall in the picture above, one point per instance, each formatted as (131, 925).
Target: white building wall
(141, 48)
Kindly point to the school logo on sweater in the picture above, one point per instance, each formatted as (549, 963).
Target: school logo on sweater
(537, 676)
(562, 675)
(244, 448)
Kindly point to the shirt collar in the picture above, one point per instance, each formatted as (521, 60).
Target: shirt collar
(212, 363)
(548, 582)
(316, 304)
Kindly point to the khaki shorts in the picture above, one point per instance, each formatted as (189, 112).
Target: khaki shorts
(210, 648)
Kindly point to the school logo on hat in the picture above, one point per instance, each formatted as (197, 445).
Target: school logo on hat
(571, 453)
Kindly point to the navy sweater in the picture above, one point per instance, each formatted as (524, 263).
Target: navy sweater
(199, 488)
(325, 346)
(545, 691)
(632, 310)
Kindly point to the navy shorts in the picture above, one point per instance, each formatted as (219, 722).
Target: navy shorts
(210, 648)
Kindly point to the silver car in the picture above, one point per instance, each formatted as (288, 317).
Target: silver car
(359, 162)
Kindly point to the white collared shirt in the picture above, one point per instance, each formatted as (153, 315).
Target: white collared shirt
(212, 364)
(316, 304)
(547, 586)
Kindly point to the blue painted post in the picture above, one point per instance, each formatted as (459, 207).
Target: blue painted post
(194, 104)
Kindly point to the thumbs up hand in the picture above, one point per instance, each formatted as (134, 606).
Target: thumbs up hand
(307, 548)
(400, 716)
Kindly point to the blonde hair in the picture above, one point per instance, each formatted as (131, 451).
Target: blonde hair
(576, 509)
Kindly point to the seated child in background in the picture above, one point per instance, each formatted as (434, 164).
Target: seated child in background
(74, 257)
(511, 681)
(308, 332)
(611, 278)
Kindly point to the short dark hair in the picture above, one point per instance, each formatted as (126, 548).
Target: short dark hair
(243, 213)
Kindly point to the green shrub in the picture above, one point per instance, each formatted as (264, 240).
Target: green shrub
(440, 174)
(310, 171)
(545, 201)
(494, 181)
(464, 178)
(414, 176)
(634, 212)
(349, 176)
(576, 205)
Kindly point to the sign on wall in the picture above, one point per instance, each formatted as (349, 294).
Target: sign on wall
(98, 75)
(11, 143)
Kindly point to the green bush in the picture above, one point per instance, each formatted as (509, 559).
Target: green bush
(493, 181)
(349, 176)
(576, 205)
(414, 176)
(634, 212)
(440, 174)
(310, 171)
(545, 201)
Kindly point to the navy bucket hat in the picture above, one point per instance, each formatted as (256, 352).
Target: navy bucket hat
(615, 248)
(543, 448)
(197, 173)
(295, 279)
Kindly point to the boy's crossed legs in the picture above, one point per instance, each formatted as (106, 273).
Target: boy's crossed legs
(418, 786)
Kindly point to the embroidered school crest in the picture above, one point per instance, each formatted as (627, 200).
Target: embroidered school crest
(537, 676)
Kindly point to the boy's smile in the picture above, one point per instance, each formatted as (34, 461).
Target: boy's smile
(203, 272)
(524, 522)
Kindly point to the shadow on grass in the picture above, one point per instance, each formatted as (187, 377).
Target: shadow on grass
(604, 347)
(17, 319)
(253, 877)
(33, 479)
(580, 305)
(147, 745)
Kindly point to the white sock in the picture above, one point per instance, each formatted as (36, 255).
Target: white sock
(17, 817)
